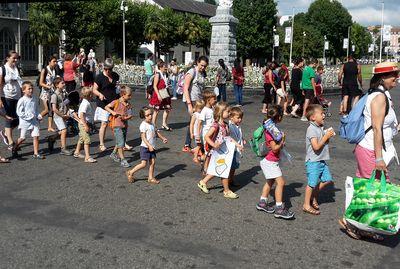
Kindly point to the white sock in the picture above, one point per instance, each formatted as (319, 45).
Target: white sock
(263, 198)
(279, 203)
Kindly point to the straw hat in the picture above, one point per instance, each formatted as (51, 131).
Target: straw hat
(385, 67)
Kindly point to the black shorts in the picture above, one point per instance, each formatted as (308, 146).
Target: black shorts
(309, 94)
(351, 90)
(70, 86)
(297, 95)
(10, 107)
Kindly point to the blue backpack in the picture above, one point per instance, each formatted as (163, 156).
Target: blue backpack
(352, 126)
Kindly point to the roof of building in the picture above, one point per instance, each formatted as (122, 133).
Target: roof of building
(189, 6)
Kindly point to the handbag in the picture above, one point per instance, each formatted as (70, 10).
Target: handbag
(163, 93)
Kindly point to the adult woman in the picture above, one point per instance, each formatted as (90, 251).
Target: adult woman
(238, 80)
(376, 150)
(47, 76)
(160, 99)
(173, 74)
(193, 90)
(295, 89)
(70, 67)
(269, 86)
(222, 77)
(105, 88)
(10, 93)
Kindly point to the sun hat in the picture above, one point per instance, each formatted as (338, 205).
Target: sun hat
(385, 67)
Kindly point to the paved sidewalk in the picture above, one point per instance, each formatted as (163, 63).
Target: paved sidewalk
(63, 213)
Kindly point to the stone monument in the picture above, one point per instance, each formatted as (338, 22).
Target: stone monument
(223, 37)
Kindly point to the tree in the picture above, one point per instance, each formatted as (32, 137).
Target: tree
(190, 30)
(361, 38)
(254, 31)
(333, 21)
(43, 25)
(203, 40)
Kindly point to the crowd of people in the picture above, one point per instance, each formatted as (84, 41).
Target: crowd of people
(212, 121)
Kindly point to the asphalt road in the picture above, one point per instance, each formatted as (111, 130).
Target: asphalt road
(63, 213)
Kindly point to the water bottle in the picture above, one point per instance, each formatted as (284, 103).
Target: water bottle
(286, 156)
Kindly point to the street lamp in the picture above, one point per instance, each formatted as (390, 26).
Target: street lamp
(304, 36)
(273, 43)
(324, 62)
(123, 9)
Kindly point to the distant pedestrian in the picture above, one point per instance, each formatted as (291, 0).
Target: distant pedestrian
(70, 67)
(46, 83)
(173, 72)
(238, 81)
(295, 86)
(149, 69)
(269, 86)
(350, 79)
(221, 79)
(308, 85)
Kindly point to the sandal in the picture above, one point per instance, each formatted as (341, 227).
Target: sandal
(349, 231)
(79, 156)
(4, 160)
(90, 160)
(153, 181)
(166, 128)
(311, 211)
(102, 148)
(130, 177)
(315, 205)
(128, 148)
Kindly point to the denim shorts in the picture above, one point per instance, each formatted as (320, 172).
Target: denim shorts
(120, 137)
(317, 172)
(146, 155)
(236, 161)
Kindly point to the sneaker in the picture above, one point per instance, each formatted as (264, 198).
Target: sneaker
(263, 206)
(115, 157)
(125, 164)
(50, 144)
(3, 136)
(186, 149)
(231, 195)
(174, 98)
(65, 152)
(203, 187)
(282, 212)
(38, 157)
(303, 118)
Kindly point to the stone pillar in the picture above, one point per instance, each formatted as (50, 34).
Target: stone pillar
(223, 37)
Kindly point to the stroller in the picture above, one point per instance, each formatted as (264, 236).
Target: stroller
(322, 101)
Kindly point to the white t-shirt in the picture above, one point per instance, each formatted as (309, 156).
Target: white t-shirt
(389, 123)
(13, 83)
(207, 118)
(149, 130)
(86, 108)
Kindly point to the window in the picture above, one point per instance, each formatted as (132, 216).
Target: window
(28, 49)
(7, 42)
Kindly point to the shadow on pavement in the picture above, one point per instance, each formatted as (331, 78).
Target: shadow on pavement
(171, 171)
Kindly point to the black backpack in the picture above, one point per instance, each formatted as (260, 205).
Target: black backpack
(38, 77)
(3, 74)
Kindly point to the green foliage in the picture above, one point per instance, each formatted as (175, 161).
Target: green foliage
(361, 38)
(43, 25)
(254, 31)
(332, 20)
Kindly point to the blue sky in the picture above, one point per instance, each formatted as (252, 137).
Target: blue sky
(365, 12)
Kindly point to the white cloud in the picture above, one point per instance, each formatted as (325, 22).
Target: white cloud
(365, 12)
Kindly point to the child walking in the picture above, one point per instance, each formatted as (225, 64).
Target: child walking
(235, 131)
(29, 117)
(317, 153)
(121, 111)
(218, 132)
(206, 119)
(147, 147)
(270, 166)
(194, 131)
(85, 114)
(60, 111)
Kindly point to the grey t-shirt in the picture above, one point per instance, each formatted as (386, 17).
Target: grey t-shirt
(197, 86)
(315, 131)
(222, 74)
(58, 98)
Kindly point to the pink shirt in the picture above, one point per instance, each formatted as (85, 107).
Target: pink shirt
(271, 156)
(69, 70)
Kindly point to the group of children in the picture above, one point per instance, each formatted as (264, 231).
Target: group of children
(212, 124)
